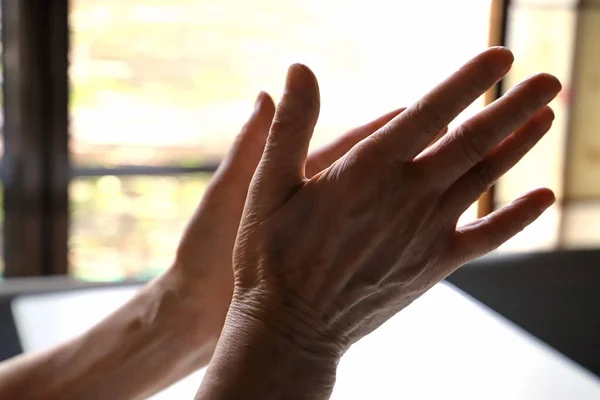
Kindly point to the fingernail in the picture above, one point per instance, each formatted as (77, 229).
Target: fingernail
(500, 59)
(507, 59)
(548, 85)
(259, 101)
(550, 200)
(294, 78)
(545, 116)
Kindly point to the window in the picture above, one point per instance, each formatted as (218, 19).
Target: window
(166, 85)
(157, 90)
(566, 159)
(129, 226)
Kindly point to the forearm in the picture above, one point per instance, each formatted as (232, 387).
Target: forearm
(154, 340)
(254, 361)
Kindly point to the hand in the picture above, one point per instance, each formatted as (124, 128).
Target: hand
(322, 261)
(204, 257)
(170, 327)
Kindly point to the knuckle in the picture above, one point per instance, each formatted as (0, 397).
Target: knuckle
(468, 147)
(427, 172)
(427, 115)
(482, 177)
(296, 110)
(280, 121)
(380, 153)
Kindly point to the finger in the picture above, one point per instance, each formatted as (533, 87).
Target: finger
(325, 156)
(295, 118)
(240, 163)
(409, 133)
(483, 175)
(225, 197)
(440, 135)
(470, 142)
(488, 233)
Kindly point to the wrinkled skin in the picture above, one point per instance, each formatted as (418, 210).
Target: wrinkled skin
(171, 326)
(204, 256)
(324, 260)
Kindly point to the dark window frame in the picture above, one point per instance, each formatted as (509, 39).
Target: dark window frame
(35, 163)
(36, 167)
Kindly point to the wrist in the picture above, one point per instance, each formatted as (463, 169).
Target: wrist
(204, 292)
(163, 334)
(194, 308)
(257, 357)
(154, 340)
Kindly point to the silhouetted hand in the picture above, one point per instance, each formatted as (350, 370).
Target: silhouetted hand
(321, 261)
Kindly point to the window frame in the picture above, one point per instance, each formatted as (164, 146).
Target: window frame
(37, 169)
(35, 163)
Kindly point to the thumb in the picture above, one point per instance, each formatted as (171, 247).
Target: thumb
(285, 155)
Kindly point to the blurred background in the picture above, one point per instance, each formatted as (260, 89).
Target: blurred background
(117, 112)
(107, 173)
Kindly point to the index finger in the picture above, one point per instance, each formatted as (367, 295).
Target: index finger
(409, 133)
